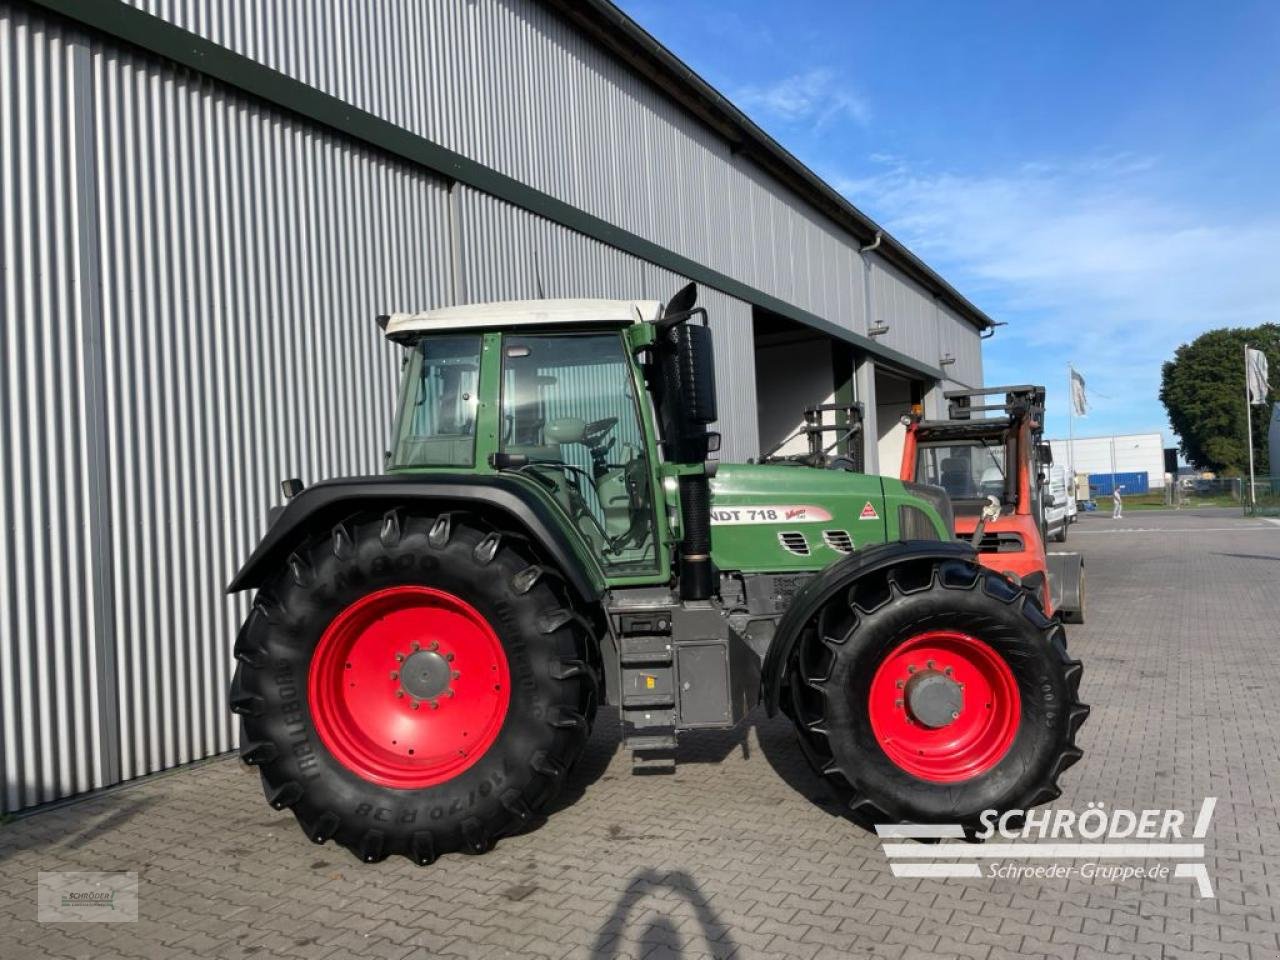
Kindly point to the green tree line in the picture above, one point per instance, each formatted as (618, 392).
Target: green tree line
(1202, 389)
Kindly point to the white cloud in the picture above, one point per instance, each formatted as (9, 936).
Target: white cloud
(1087, 261)
(814, 97)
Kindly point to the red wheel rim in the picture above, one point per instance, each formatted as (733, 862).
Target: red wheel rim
(967, 701)
(408, 687)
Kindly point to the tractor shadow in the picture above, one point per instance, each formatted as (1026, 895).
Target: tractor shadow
(66, 830)
(775, 740)
(597, 755)
(660, 930)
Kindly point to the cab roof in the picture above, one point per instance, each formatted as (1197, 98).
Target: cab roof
(520, 313)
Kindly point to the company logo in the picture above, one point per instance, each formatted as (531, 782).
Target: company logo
(87, 897)
(769, 513)
(1110, 846)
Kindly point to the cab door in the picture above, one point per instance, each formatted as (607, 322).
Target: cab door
(571, 411)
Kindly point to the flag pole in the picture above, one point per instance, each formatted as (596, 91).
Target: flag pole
(1248, 423)
(1071, 423)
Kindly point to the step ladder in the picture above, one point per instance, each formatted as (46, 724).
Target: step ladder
(646, 656)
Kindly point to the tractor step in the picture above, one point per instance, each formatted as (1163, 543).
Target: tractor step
(641, 701)
(652, 743)
(652, 753)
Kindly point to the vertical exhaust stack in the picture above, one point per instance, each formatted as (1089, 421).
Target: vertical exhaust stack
(685, 394)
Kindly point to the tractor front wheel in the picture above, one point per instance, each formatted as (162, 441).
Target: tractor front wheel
(413, 685)
(933, 691)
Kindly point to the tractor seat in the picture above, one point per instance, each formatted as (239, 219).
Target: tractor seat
(956, 479)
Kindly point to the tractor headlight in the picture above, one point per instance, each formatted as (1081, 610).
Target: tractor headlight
(914, 523)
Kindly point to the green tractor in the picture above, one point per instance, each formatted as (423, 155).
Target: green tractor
(427, 648)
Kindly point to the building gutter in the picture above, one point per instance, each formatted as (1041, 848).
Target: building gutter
(128, 24)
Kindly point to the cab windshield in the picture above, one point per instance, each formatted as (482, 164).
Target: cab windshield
(437, 424)
(967, 470)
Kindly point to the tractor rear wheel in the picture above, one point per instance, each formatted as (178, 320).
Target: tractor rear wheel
(934, 690)
(413, 685)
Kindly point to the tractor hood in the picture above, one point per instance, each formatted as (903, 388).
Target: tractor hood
(776, 517)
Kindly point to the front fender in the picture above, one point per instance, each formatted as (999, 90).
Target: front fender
(831, 581)
(329, 502)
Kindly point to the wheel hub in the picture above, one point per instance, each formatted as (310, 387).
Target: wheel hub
(933, 699)
(426, 675)
(409, 686)
(944, 706)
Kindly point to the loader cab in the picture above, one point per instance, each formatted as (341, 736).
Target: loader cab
(989, 448)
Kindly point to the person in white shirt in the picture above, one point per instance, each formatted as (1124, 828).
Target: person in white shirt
(1118, 509)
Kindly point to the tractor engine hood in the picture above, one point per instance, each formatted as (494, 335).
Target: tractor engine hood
(775, 517)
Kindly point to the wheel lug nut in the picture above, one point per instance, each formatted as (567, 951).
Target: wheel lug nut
(900, 684)
(448, 656)
(897, 703)
(434, 645)
(948, 671)
(399, 694)
(434, 705)
(395, 675)
(911, 669)
(414, 704)
(456, 674)
(416, 645)
(449, 693)
(399, 658)
(929, 664)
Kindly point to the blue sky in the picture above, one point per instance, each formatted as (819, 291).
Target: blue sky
(1105, 177)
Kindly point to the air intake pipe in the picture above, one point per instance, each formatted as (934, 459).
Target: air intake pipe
(685, 395)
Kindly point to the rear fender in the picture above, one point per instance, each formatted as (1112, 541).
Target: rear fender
(1066, 584)
(325, 504)
(835, 578)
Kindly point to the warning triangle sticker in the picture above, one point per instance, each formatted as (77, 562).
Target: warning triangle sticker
(868, 513)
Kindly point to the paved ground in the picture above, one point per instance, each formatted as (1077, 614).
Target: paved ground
(741, 853)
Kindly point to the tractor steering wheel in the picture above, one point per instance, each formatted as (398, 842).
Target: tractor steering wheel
(593, 433)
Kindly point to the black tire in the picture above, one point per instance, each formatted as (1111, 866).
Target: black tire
(552, 690)
(829, 680)
(1061, 535)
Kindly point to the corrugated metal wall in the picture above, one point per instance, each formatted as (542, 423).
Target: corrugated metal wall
(49, 665)
(471, 75)
(910, 312)
(186, 316)
(955, 337)
(190, 286)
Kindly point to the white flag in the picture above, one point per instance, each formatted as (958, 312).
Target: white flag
(1255, 372)
(1078, 402)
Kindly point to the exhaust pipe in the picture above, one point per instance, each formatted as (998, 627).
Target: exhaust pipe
(695, 548)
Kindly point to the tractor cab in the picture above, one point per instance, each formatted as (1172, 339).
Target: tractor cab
(990, 458)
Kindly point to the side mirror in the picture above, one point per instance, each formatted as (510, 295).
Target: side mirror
(1046, 454)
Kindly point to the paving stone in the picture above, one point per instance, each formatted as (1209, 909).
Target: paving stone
(738, 855)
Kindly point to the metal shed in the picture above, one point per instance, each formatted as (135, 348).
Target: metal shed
(203, 206)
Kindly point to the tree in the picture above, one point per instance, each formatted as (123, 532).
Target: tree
(1202, 388)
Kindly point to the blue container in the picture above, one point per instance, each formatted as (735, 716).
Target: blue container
(1132, 483)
